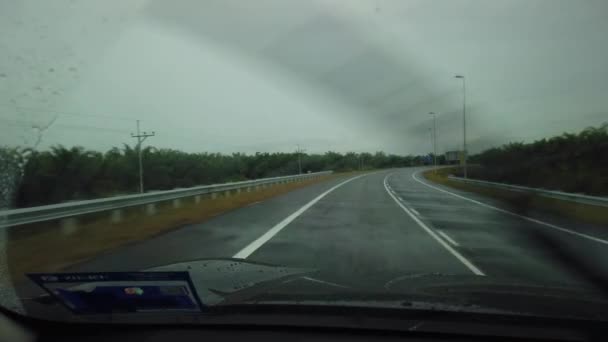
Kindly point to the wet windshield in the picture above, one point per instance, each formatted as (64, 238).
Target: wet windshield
(174, 156)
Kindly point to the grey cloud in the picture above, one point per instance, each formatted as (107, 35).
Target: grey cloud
(228, 75)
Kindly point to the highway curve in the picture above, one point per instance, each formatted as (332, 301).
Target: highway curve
(373, 228)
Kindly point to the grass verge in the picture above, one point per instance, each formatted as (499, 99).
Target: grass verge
(49, 247)
(522, 202)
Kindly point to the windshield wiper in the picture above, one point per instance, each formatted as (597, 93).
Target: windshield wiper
(570, 260)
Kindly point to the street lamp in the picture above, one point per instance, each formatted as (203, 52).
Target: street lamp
(300, 151)
(464, 122)
(434, 140)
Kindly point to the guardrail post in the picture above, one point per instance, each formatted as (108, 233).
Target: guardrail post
(150, 209)
(578, 198)
(148, 203)
(69, 225)
(116, 216)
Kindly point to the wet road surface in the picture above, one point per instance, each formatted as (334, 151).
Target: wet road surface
(376, 227)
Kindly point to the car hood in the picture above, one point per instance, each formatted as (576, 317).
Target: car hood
(228, 282)
(237, 281)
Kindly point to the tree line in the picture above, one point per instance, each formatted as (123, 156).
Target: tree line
(66, 174)
(570, 162)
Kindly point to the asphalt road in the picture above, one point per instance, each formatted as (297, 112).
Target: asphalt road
(380, 226)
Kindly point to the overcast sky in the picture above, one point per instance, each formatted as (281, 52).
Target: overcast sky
(266, 75)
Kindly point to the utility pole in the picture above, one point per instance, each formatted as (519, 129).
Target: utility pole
(434, 140)
(431, 134)
(141, 136)
(464, 122)
(299, 151)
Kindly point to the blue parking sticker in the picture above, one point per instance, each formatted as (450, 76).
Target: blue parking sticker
(121, 292)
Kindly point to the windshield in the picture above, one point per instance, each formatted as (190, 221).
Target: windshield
(171, 157)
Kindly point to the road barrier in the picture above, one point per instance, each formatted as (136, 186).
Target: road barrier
(15, 217)
(565, 196)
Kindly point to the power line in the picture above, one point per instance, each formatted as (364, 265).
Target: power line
(113, 130)
(27, 124)
(101, 116)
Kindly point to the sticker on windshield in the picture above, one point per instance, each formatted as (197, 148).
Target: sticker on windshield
(121, 292)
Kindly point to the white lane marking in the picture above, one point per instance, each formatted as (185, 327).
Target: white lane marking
(415, 211)
(458, 256)
(252, 247)
(593, 238)
(315, 280)
(450, 240)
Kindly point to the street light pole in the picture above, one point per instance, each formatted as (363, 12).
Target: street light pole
(464, 122)
(140, 139)
(434, 140)
(299, 159)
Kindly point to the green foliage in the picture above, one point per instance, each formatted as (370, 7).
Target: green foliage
(63, 174)
(11, 163)
(570, 162)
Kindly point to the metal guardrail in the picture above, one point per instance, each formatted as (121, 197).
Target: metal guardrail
(566, 196)
(16, 217)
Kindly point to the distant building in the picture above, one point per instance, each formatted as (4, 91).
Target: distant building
(453, 157)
